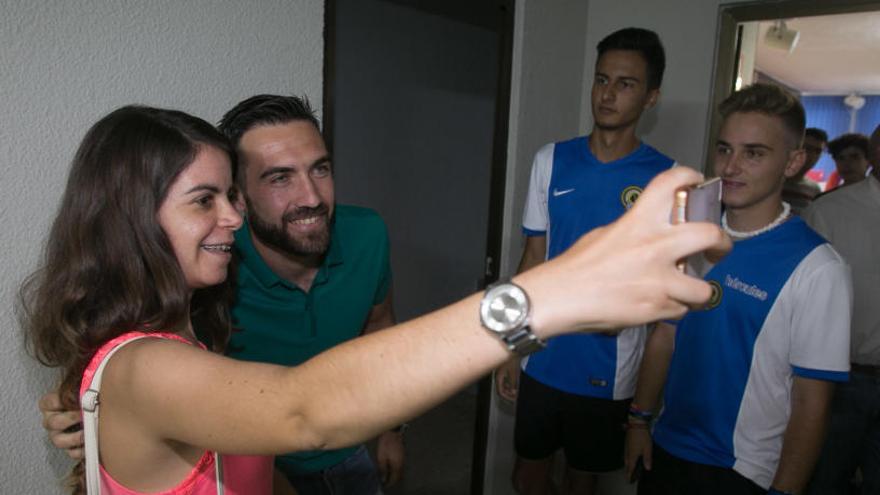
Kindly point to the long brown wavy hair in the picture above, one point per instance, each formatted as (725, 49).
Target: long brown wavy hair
(108, 267)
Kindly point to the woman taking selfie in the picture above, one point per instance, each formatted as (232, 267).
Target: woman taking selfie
(139, 254)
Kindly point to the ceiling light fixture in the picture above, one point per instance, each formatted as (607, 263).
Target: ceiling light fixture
(779, 36)
(854, 101)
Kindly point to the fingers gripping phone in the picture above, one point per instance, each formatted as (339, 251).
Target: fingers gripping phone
(699, 203)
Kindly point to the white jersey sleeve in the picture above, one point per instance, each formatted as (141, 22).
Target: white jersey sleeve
(820, 329)
(536, 218)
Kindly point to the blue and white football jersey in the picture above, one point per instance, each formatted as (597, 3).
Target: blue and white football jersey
(570, 194)
(781, 307)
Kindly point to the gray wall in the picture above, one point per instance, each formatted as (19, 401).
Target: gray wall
(414, 113)
(65, 64)
(545, 101)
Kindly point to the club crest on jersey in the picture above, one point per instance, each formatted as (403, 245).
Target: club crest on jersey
(629, 196)
(715, 298)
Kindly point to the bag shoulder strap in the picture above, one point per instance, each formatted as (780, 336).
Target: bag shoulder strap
(89, 403)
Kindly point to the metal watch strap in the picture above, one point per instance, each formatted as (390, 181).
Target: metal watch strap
(522, 341)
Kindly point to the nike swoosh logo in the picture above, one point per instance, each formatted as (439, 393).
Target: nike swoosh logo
(557, 192)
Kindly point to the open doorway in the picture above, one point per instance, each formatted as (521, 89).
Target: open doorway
(825, 53)
(832, 62)
(416, 96)
(834, 55)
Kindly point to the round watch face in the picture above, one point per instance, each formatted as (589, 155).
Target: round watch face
(504, 307)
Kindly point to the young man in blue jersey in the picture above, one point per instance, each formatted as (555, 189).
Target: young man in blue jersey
(748, 380)
(574, 394)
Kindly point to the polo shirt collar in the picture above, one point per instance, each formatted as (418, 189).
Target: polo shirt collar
(248, 256)
(334, 255)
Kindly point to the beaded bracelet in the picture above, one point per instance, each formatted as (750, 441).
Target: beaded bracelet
(636, 412)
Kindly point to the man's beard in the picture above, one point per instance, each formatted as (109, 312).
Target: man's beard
(278, 238)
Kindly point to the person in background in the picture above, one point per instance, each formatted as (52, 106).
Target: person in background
(799, 191)
(850, 153)
(849, 217)
(574, 394)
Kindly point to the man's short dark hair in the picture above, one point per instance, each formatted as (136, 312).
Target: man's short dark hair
(816, 133)
(772, 100)
(644, 41)
(265, 110)
(858, 141)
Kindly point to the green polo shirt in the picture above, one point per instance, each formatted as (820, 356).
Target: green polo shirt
(276, 322)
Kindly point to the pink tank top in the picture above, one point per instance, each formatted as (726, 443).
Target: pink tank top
(251, 475)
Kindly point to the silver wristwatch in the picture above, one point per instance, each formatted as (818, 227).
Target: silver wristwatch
(505, 312)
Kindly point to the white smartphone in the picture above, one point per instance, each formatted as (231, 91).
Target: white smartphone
(699, 203)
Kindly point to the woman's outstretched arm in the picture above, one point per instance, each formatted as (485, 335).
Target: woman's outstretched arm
(614, 277)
